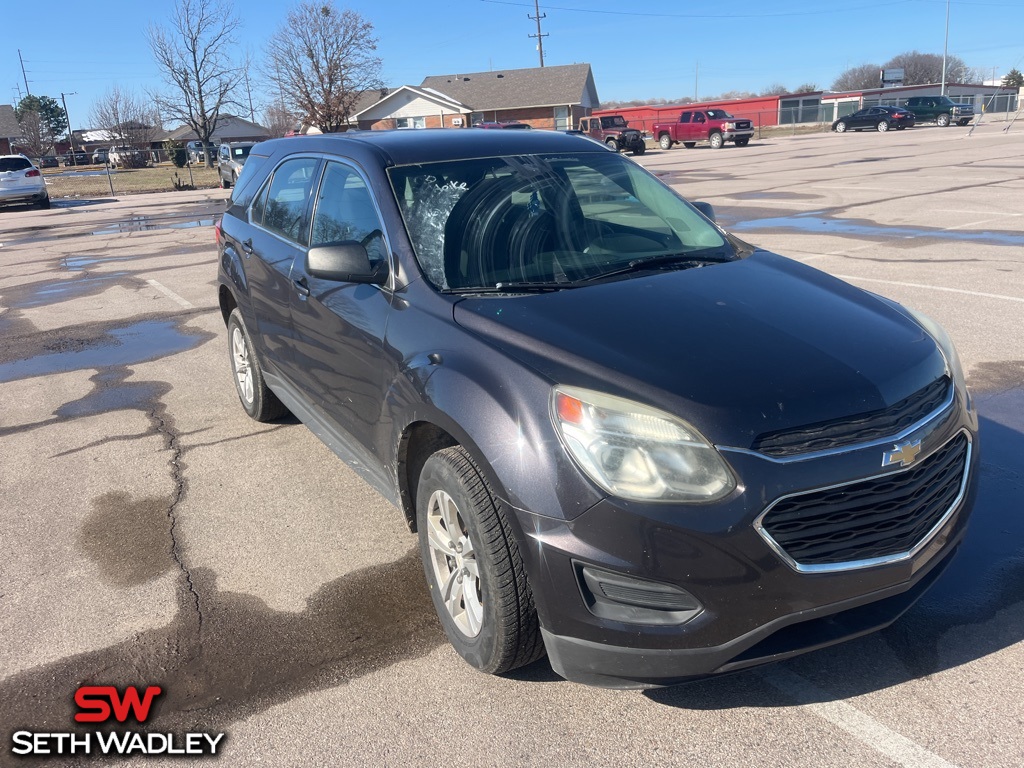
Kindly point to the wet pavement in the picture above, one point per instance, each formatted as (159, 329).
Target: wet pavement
(153, 534)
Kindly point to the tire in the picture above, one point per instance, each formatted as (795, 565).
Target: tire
(665, 141)
(43, 204)
(963, 122)
(612, 144)
(639, 150)
(224, 184)
(840, 127)
(256, 398)
(715, 140)
(742, 142)
(883, 126)
(689, 144)
(473, 567)
(942, 120)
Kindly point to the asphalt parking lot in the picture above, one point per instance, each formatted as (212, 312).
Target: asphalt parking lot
(153, 534)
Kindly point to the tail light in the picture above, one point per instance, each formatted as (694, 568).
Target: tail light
(216, 231)
(32, 172)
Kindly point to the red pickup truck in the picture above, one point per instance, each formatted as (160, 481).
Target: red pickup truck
(715, 126)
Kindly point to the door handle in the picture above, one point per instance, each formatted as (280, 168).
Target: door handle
(247, 247)
(302, 286)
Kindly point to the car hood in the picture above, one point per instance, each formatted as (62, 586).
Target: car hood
(738, 349)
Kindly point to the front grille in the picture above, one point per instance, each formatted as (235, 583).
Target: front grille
(861, 428)
(882, 517)
(743, 124)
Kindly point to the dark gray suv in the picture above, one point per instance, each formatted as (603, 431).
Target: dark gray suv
(623, 435)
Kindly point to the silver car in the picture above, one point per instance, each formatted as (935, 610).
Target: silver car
(21, 183)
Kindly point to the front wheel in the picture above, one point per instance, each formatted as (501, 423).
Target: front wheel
(612, 144)
(962, 122)
(883, 126)
(742, 142)
(256, 398)
(840, 127)
(665, 141)
(639, 149)
(942, 120)
(474, 570)
(716, 141)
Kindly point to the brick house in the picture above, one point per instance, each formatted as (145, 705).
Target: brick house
(545, 97)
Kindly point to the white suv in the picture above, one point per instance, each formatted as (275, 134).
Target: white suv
(21, 182)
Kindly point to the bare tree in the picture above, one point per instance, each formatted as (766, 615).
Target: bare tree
(858, 78)
(279, 121)
(321, 60)
(194, 56)
(926, 68)
(775, 89)
(126, 117)
(35, 140)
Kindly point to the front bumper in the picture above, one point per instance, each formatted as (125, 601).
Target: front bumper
(738, 133)
(754, 606)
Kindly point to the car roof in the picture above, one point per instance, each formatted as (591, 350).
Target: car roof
(409, 147)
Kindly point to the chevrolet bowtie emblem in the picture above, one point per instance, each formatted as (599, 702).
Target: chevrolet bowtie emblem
(902, 454)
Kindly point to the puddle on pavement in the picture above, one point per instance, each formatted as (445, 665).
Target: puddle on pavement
(147, 223)
(808, 222)
(53, 292)
(78, 263)
(128, 345)
(127, 538)
(772, 196)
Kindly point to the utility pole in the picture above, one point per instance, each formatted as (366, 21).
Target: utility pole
(540, 37)
(23, 76)
(945, 47)
(696, 75)
(71, 135)
(252, 113)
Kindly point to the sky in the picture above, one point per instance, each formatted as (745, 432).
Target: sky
(637, 50)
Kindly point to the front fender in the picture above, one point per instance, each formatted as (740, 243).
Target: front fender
(498, 410)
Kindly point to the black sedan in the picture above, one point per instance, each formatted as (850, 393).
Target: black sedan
(77, 158)
(624, 436)
(875, 119)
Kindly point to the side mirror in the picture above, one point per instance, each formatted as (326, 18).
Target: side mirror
(347, 262)
(706, 208)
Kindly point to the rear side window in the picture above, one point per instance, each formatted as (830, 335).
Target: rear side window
(14, 164)
(281, 207)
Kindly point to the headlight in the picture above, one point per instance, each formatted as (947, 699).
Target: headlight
(729, 126)
(637, 452)
(938, 333)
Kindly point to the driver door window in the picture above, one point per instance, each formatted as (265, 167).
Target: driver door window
(345, 212)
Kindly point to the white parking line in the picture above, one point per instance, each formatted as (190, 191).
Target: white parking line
(170, 294)
(865, 729)
(981, 294)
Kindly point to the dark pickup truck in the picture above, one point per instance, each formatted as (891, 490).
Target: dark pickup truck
(941, 110)
(715, 126)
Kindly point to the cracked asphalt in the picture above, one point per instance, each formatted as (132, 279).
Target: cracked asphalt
(150, 533)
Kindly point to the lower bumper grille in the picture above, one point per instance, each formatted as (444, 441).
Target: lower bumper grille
(870, 521)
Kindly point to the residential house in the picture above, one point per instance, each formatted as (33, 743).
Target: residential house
(544, 97)
(10, 131)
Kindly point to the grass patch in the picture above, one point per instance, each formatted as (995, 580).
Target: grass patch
(93, 180)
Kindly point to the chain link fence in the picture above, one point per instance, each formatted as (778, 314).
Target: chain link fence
(91, 181)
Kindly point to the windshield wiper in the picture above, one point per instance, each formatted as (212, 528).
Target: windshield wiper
(685, 260)
(513, 287)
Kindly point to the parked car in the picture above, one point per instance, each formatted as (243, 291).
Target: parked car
(197, 152)
(614, 131)
(715, 126)
(623, 435)
(21, 183)
(230, 161)
(99, 157)
(48, 161)
(875, 119)
(127, 157)
(76, 158)
(941, 110)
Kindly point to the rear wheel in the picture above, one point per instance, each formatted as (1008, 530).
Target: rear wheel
(473, 567)
(883, 126)
(256, 398)
(44, 203)
(716, 141)
(665, 141)
(942, 120)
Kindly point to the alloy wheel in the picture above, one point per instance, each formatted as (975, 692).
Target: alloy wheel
(454, 563)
